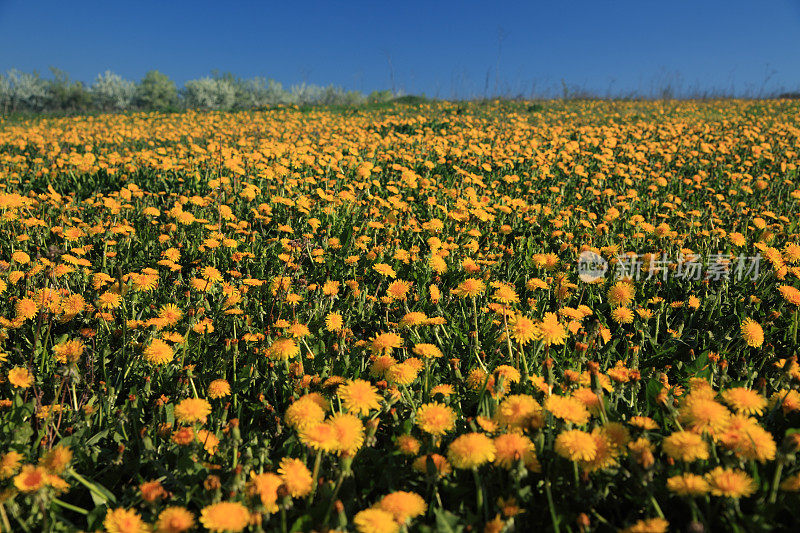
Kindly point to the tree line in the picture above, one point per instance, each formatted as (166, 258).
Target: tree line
(24, 92)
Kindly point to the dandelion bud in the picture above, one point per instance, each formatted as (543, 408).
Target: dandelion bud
(372, 426)
(662, 397)
(696, 527)
(790, 366)
(597, 387)
(235, 433)
(212, 482)
(296, 370)
(494, 526)
(791, 443)
(282, 492)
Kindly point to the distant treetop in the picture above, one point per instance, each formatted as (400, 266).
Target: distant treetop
(22, 92)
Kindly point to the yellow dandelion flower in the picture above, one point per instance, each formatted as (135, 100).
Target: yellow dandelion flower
(20, 377)
(158, 352)
(375, 521)
(192, 410)
(576, 445)
(359, 397)
(471, 450)
(752, 333)
(730, 483)
(296, 477)
(403, 505)
(124, 521)
(435, 418)
(225, 517)
(219, 388)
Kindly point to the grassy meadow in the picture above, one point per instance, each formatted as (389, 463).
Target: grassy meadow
(373, 319)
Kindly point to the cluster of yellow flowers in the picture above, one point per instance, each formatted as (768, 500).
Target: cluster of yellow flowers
(374, 321)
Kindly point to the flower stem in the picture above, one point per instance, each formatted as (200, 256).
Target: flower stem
(314, 476)
(551, 506)
(508, 342)
(333, 497)
(776, 479)
(478, 490)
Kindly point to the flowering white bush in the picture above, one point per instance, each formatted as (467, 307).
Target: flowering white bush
(29, 92)
(111, 92)
(23, 91)
(209, 93)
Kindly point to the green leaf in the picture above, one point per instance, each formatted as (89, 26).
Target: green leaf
(302, 524)
(447, 522)
(169, 412)
(100, 494)
(94, 439)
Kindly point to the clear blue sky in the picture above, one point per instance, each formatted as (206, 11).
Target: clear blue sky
(443, 49)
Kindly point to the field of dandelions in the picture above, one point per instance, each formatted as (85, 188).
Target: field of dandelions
(374, 319)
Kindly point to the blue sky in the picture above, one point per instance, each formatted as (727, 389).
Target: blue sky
(444, 49)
